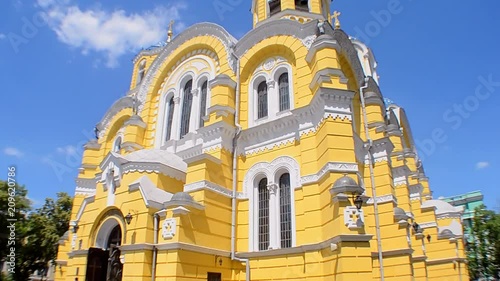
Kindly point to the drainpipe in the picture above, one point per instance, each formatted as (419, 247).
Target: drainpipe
(156, 218)
(235, 163)
(372, 178)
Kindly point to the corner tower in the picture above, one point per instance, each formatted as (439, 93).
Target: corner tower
(300, 10)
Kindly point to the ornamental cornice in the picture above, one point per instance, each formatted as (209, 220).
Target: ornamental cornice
(330, 167)
(430, 224)
(149, 168)
(85, 187)
(273, 28)
(207, 185)
(383, 199)
(222, 80)
(119, 105)
(197, 30)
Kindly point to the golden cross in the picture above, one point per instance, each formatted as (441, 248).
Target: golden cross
(336, 16)
(170, 26)
(170, 32)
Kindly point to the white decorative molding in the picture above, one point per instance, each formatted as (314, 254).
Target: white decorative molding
(308, 41)
(329, 168)
(353, 218)
(169, 228)
(398, 181)
(430, 224)
(200, 185)
(272, 171)
(383, 199)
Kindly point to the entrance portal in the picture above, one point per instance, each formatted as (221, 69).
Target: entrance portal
(105, 264)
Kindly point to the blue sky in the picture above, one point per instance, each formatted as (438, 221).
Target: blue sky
(64, 63)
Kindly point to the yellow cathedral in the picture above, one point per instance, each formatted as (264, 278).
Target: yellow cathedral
(272, 157)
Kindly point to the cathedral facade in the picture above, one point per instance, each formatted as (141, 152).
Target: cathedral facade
(272, 157)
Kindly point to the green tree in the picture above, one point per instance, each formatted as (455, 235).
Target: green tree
(36, 232)
(14, 208)
(483, 248)
(44, 228)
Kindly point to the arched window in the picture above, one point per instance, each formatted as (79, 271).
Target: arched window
(141, 72)
(302, 5)
(117, 146)
(274, 7)
(284, 92)
(262, 100)
(285, 211)
(186, 108)
(203, 103)
(263, 215)
(170, 118)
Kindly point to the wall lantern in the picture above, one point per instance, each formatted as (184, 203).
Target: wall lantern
(358, 201)
(417, 228)
(429, 238)
(75, 228)
(128, 218)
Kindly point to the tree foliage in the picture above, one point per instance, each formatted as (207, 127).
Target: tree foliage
(483, 247)
(37, 232)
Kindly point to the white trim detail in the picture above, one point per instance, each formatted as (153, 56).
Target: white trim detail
(169, 228)
(428, 224)
(329, 168)
(272, 171)
(353, 218)
(207, 185)
(383, 199)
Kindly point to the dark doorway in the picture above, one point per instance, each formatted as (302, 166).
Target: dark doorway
(97, 265)
(105, 264)
(214, 276)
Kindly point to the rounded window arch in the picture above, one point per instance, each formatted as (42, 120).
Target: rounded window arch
(169, 116)
(187, 102)
(141, 72)
(117, 145)
(263, 214)
(262, 102)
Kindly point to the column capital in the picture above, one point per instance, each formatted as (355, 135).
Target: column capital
(177, 100)
(272, 188)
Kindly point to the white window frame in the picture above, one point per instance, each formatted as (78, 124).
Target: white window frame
(271, 78)
(177, 79)
(272, 171)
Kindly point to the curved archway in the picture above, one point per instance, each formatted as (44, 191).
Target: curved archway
(110, 233)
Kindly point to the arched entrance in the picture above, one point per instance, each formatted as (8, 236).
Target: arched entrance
(103, 261)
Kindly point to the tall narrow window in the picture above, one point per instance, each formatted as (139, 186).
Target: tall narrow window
(117, 146)
(203, 103)
(274, 7)
(170, 118)
(141, 72)
(302, 5)
(285, 212)
(284, 92)
(186, 108)
(263, 215)
(262, 100)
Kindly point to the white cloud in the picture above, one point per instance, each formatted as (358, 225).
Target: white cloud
(111, 33)
(2, 36)
(67, 150)
(482, 165)
(11, 151)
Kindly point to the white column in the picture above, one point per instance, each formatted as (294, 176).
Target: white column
(273, 216)
(194, 121)
(174, 134)
(272, 99)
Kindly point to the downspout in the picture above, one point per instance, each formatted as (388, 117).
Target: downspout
(235, 163)
(372, 179)
(156, 218)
